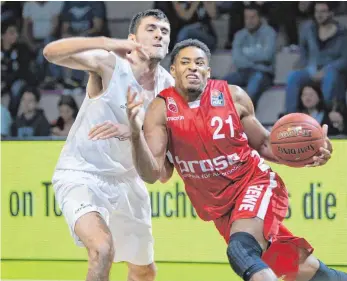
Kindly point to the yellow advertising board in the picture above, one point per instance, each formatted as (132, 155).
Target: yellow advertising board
(34, 229)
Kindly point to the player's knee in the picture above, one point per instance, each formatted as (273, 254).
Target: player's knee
(143, 273)
(244, 254)
(102, 250)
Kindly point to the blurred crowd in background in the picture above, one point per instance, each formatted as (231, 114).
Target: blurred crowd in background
(316, 85)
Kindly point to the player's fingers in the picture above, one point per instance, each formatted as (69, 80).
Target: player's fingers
(134, 105)
(329, 145)
(324, 151)
(110, 133)
(92, 130)
(143, 53)
(325, 130)
(129, 58)
(314, 164)
(130, 96)
(100, 131)
(133, 45)
(134, 112)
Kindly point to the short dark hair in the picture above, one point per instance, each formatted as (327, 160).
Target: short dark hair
(7, 24)
(254, 7)
(332, 5)
(190, 43)
(135, 21)
(32, 90)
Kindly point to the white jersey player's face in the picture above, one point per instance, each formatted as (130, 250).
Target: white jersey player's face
(154, 35)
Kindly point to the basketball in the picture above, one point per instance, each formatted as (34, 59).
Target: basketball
(295, 139)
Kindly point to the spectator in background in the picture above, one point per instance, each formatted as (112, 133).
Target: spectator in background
(282, 14)
(323, 57)
(82, 18)
(68, 111)
(6, 121)
(32, 122)
(16, 61)
(253, 54)
(311, 102)
(11, 11)
(197, 16)
(41, 21)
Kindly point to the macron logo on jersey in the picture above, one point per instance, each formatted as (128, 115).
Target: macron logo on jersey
(175, 118)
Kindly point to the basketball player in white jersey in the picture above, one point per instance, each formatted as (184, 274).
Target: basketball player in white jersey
(104, 201)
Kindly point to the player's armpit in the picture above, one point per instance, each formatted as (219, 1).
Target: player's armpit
(149, 148)
(258, 136)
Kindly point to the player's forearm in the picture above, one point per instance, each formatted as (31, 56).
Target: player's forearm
(145, 163)
(64, 48)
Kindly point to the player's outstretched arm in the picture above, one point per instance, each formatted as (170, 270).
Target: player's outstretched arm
(258, 136)
(88, 54)
(149, 145)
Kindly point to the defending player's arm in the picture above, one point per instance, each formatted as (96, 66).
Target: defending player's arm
(258, 136)
(88, 54)
(149, 146)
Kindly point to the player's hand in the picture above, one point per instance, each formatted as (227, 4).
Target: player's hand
(133, 108)
(109, 130)
(325, 151)
(123, 48)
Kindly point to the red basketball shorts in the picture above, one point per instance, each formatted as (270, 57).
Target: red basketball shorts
(266, 197)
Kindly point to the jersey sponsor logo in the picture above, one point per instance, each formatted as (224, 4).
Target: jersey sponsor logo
(83, 206)
(294, 132)
(219, 163)
(175, 118)
(171, 105)
(249, 201)
(217, 98)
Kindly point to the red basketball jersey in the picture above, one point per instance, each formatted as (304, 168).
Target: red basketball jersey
(209, 148)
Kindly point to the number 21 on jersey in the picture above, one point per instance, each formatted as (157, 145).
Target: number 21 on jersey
(218, 122)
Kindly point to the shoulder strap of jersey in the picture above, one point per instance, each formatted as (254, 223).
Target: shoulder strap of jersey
(166, 93)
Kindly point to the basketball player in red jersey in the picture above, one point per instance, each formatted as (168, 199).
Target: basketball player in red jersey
(210, 134)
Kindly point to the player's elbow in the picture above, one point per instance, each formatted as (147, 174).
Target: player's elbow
(48, 53)
(150, 180)
(164, 179)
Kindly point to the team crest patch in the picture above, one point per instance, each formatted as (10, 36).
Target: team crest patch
(171, 105)
(217, 98)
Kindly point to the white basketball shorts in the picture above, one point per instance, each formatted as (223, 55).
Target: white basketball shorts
(123, 203)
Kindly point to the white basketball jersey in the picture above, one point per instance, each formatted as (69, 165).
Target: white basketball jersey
(111, 156)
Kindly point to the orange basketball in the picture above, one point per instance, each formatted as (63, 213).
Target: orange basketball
(295, 139)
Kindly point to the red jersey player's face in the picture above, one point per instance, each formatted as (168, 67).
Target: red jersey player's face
(191, 71)
(154, 35)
